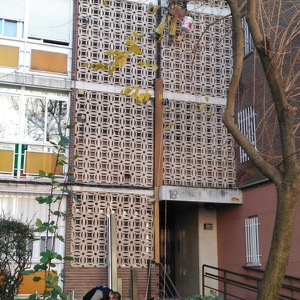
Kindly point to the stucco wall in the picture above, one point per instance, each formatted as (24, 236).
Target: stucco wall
(258, 201)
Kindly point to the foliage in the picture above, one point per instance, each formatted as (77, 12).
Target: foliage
(213, 296)
(118, 60)
(16, 238)
(48, 258)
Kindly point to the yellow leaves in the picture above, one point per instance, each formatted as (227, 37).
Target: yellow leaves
(143, 98)
(99, 66)
(173, 26)
(160, 96)
(155, 68)
(153, 9)
(135, 49)
(110, 52)
(137, 35)
(105, 3)
(112, 69)
(147, 96)
(147, 64)
(126, 91)
(119, 58)
(136, 95)
(180, 38)
(169, 126)
(202, 105)
(121, 61)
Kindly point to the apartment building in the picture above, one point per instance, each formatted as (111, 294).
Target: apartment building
(150, 176)
(35, 85)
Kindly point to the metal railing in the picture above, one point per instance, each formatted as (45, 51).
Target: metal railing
(232, 285)
(167, 289)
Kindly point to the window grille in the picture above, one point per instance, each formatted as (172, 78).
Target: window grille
(252, 241)
(248, 42)
(246, 122)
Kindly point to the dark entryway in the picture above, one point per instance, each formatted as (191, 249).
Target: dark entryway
(180, 244)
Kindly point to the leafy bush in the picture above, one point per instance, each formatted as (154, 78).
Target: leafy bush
(15, 241)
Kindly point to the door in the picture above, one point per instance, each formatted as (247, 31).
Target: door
(186, 251)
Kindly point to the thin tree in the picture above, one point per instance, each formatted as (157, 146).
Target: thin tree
(274, 47)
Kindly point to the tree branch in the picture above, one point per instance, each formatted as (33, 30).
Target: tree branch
(228, 117)
(285, 113)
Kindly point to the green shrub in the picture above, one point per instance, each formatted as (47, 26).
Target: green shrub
(16, 238)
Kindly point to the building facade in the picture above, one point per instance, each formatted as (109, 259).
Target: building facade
(154, 179)
(35, 85)
(156, 169)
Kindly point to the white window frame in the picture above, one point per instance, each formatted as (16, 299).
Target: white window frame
(20, 28)
(8, 143)
(252, 241)
(247, 126)
(248, 42)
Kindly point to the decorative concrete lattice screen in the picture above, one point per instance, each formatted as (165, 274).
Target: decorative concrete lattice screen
(201, 63)
(105, 27)
(115, 144)
(198, 151)
(134, 222)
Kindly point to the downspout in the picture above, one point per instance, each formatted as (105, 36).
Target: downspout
(158, 140)
(158, 44)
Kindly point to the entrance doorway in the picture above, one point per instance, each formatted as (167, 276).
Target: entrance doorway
(180, 245)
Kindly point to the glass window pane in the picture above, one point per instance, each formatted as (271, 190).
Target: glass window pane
(1, 21)
(34, 119)
(10, 28)
(56, 120)
(9, 117)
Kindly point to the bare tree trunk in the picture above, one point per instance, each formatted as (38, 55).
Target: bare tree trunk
(287, 198)
(287, 178)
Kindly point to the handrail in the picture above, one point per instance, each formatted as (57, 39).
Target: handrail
(262, 271)
(230, 280)
(167, 289)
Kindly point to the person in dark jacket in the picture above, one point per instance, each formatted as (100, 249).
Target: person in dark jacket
(102, 292)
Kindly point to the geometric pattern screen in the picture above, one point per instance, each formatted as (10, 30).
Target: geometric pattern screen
(198, 151)
(134, 223)
(201, 63)
(115, 142)
(105, 27)
(114, 137)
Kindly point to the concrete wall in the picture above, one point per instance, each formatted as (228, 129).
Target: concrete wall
(208, 245)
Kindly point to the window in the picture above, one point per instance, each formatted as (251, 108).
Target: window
(29, 122)
(43, 245)
(252, 241)
(50, 21)
(246, 123)
(45, 119)
(248, 42)
(10, 28)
